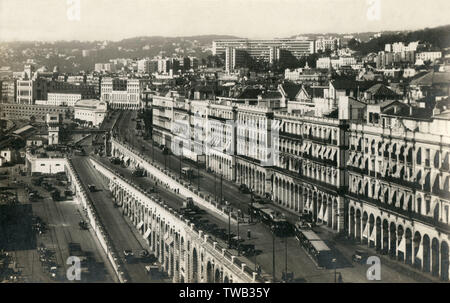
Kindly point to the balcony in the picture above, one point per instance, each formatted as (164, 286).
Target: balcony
(319, 160)
(355, 169)
(319, 139)
(401, 212)
(399, 181)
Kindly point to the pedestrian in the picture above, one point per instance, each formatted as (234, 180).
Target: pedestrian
(249, 234)
(340, 278)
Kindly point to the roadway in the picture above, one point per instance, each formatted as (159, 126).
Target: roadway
(119, 230)
(62, 218)
(297, 259)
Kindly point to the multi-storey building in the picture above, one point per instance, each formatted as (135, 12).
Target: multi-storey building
(398, 195)
(28, 91)
(428, 56)
(163, 115)
(323, 44)
(254, 142)
(123, 93)
(8, 92)
(261, 49)
(221, 137)
(32, 112)
(234, 58)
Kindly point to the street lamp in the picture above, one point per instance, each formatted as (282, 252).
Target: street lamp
(273, 255)
(181, 154)
(334, 265)
(251, 205)
(198, 176)
(229, 223)
(238, 236)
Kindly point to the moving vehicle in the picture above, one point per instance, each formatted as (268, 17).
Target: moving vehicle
(315, 247)
(91, 188)
(187, 171)
(83, 225)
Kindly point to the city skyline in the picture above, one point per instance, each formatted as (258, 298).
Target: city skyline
(102, 20)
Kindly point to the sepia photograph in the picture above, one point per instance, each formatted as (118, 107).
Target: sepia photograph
(179, 142)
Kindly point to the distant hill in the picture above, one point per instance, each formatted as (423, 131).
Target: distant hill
(68, 54)
(438, 37)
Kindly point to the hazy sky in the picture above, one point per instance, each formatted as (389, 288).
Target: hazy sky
(118, 19)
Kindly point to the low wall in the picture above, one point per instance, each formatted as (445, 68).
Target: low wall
(175, 183)
(97, 226)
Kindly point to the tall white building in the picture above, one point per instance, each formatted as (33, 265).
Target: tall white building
(123, 93)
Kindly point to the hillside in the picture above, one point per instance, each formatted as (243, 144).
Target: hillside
(438, 37)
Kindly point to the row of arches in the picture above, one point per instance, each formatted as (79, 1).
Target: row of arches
(301, 198)
(180, 258)
(252, 176)
(400, 240)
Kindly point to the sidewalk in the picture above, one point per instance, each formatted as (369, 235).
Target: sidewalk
(347, 248)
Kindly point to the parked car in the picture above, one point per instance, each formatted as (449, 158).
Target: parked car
(360, 257)
(244, 189)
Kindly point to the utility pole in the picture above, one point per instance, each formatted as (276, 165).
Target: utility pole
(285, 265)
(229, 225)
(273, 256)
(198, 176)
(238, 237)
(221, 188)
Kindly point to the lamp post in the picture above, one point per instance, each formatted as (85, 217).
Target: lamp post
(229, 224)
(251, 205)
(238, 236)
(198, 176)
(273, 255)
(181, 153)
(334, 265)
(286, 259)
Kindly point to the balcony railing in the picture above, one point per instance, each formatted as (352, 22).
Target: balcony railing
(400, 211)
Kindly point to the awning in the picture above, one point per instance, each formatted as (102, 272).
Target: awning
(169, 240)
(326, 214)
(140, 225)
(372, 235)
(147, 233)
(126, 159)
(333, 153)
(419, 253)
(402, 245)
(320, 213)
(366, 231)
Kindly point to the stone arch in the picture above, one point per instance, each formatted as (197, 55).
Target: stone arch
(444, 261)
(393, 237)
(209, 273)
(417, 242)
(426, 246)
(358, 225)
(378, 234)
(408, 246)
(195, 264)
(217, 276)
(435, 257)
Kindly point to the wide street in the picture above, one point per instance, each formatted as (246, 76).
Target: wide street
(61, 218)
(120, 231)
(297, 260)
